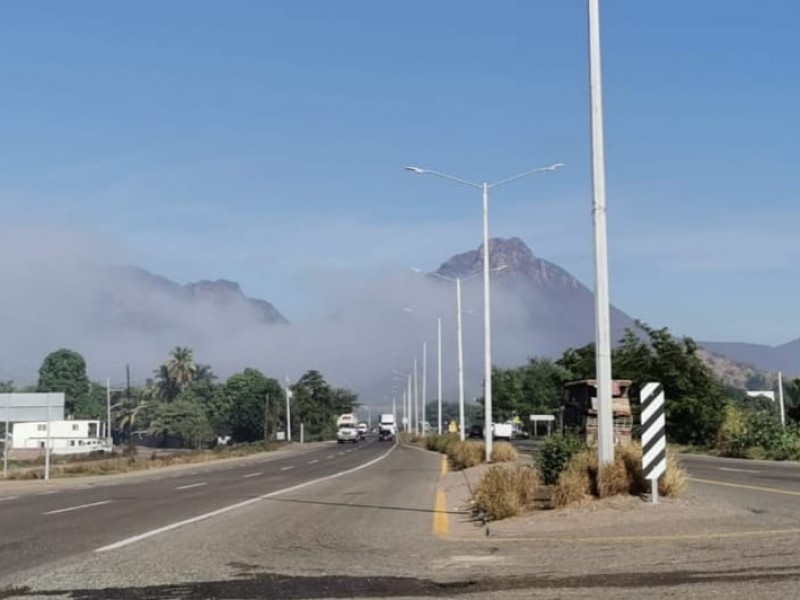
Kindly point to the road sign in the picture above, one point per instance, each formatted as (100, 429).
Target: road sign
(24, 407)
(654, 435)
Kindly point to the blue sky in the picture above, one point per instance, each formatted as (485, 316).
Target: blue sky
(264, 142)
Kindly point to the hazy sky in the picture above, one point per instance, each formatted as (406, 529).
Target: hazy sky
(263, 142)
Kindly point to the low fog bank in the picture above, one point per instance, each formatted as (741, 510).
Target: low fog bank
(58, 295)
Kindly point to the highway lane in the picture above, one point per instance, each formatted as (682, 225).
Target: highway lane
(765, 487)
(38, 528)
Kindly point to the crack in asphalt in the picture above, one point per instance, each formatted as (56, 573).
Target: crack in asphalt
(300, 587)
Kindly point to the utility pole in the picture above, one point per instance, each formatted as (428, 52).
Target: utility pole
(439, 369)
(416, 398)
(288, 411)
(780, 398)
(109, 439)
(605, 417)
(266, 417)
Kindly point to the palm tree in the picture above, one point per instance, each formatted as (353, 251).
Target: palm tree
(181, 367)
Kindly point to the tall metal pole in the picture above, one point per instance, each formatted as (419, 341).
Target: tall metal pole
(416, 398)
(487, 331)
(405, 415)
(288, 411)
(424, 385)
(266, 418)
(109, 439)
(410, 411)
(5, 444)
(780, 398)
(439, 369)
(605, 417)
(461, 415)
(47, 443)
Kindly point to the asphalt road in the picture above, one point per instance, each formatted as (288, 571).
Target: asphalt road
(757, 485)
(367, 531)
(39, 528)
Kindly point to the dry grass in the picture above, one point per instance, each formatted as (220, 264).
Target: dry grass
(506, 491)
(464, 455)
(132, 462)
(504, 452)
(675, 480)
(576, 481)
(582, 478)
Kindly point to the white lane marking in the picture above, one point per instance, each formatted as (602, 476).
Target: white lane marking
(739, 470)
(225, 509)
(340, 453)
(191, 485)
(311, 462)
(50, 493)
(79, 507)
(5, 498)
(251, 475)
(286, 468)
(330, 456)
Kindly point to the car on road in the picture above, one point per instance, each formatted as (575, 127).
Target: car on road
(347, 433)
(475, 432)
(363, 430)
(386, 435)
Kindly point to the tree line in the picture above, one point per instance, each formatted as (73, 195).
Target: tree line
(699, 406)
(186, 404)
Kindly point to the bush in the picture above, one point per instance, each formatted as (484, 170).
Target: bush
(464, 455)
(759, 435)
(439, 443)
(506, 490)
(581, 478)
(504, 452)
(555, 455)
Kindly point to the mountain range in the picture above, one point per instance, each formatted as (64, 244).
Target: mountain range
(538, 308)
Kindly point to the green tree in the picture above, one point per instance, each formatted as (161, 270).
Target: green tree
(695, 398)
(535, 388)
(6, 386)
(316, 404)
(178, 372)
(183, 419)
(251, 398)
(65, 371)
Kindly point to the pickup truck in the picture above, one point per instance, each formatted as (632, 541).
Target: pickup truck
(502, 431)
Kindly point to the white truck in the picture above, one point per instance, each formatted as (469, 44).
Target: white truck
(347, 429)
(387, 429)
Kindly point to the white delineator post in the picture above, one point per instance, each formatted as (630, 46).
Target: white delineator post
(605, 418)
(654, 435)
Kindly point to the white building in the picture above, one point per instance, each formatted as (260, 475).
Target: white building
(66, 437)
(768, 394)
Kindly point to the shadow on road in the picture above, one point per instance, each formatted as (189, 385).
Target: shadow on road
(372, 506)
(289, 587)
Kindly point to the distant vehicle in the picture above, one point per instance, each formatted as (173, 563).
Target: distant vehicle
(386, 435)
(502, 431)
(363, 430)
(476, 431)
(388, 422)
(347, 429)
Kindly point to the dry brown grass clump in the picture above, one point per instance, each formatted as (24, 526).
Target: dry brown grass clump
(576, 481)
(582, 478)
(504, 452)
(506, 490)
(464, 455)
(675, 481)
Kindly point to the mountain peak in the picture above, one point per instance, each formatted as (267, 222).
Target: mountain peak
(510, 253)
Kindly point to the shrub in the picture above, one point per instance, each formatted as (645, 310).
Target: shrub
(506, 490)
(439, 443)
(504, 452)
(582, 478)
(674, 482)
(555, 455)
(464, 455)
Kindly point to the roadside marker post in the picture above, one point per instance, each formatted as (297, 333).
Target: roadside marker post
(654, 435)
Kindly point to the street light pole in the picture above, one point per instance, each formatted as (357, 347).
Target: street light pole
(424, 385)
(605, 415)
(439, 369)
(487, 325)
(461, 415)
(288, 436)
(416, 398)
(410, 412)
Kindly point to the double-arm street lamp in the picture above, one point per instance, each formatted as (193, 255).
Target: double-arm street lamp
(487, 326)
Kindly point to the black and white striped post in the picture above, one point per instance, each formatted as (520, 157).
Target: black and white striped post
(654, 435)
